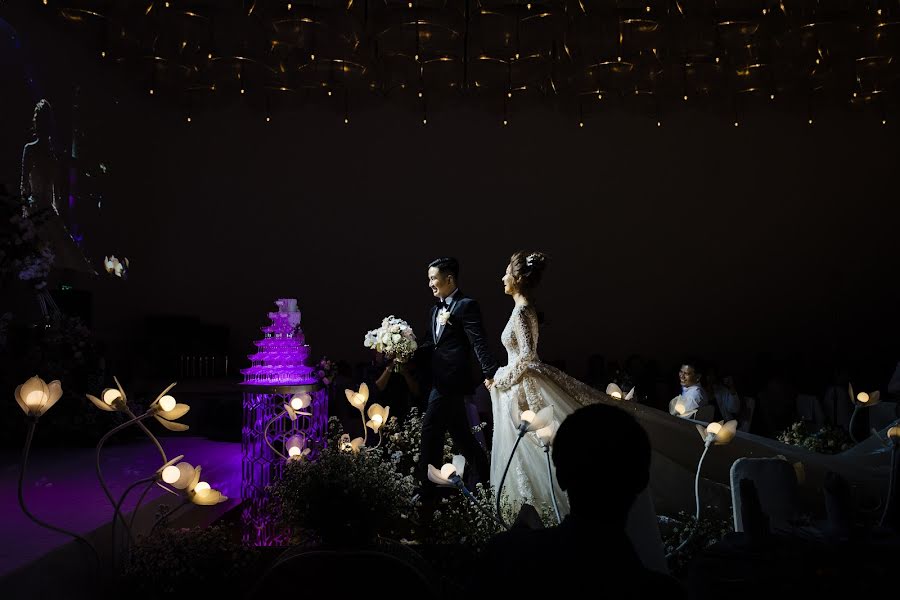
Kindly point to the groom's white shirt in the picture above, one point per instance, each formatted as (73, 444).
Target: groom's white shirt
(438, 328)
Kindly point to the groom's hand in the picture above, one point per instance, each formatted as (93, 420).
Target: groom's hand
(488, 383)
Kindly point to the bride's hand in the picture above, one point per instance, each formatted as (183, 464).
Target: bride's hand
(488, 383)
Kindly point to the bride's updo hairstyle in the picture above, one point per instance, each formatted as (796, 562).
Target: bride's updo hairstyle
(528, 267)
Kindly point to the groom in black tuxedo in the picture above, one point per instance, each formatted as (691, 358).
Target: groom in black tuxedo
(455, 331)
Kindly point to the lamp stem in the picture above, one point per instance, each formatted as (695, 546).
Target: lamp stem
(895, 447)
(166, 516)
(503, 479)
(266, 434)
(362, 416)
(150, 435)
(110, 433)
(552, 489)
(690, 536)
(32, 424)
(118, 508)
(138, 505)
(465, 491)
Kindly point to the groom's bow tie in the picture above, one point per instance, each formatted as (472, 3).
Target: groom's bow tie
(442, 304)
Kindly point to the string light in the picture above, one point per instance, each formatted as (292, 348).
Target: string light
(599, 96)
(528, 6)
(209, 56)
(410, 5)
(509, 94)
(659, 123)
(810, 121)
(312, 57)
(685, 97)
(45, 2)
(103, 54)
(346, 121)
(884, 121)
(505, 122)
(771, 96)
(242, 90)
(517, 56)
(329, 92)
(167, 5)
(151, 91)
(188, 119)
(736, 123)
(648, 8)
(717, 60)
(268, 119)
(581, 123)
(289, 6)
(424, 121)
(416, 58)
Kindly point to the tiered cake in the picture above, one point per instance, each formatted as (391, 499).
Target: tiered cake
(282, 355)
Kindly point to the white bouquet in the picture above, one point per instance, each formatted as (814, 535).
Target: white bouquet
(395, 339)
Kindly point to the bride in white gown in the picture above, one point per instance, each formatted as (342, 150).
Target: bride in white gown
(532, 385)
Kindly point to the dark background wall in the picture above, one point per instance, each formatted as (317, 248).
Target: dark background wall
(696, 237)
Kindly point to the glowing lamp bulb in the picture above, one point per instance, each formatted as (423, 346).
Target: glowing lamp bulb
(294, 451)
(201, 488)
(685, 97)
(679, 408)
(171, 474)
(714, 428)
(377, 419)
(111, 395)
(151, 91)
(167, 403)
(447, 471)
(34, 399)
(581, 123)
(617, 395)
(528, 416)
(300, 402)
(862, 397)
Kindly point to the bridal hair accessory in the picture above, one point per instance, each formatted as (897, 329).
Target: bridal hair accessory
(532, 258)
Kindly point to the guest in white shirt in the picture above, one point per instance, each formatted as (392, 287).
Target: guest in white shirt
(693, 395)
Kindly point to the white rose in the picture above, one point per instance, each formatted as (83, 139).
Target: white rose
(396, 338)
(386, 339)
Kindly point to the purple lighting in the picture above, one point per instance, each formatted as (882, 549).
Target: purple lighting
(278, 372)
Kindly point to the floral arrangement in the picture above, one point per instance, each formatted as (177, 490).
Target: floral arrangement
(175, 562)
(395, 339)
(703, 534)
(827, 440)
(23, 254)
(326, 369)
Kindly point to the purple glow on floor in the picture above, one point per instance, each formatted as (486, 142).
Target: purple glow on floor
(61, 488)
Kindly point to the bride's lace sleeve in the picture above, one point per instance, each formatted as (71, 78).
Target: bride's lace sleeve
(524, 331)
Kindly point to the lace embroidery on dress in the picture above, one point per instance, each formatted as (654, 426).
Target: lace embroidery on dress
(520, 338)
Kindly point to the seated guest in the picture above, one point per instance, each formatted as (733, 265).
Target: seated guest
(728, 403)
(602, 459)
(693, 396)
(400, 389)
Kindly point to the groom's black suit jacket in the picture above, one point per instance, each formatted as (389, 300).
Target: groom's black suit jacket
(451, 362)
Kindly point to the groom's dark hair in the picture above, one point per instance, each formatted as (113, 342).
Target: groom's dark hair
(446, 265)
